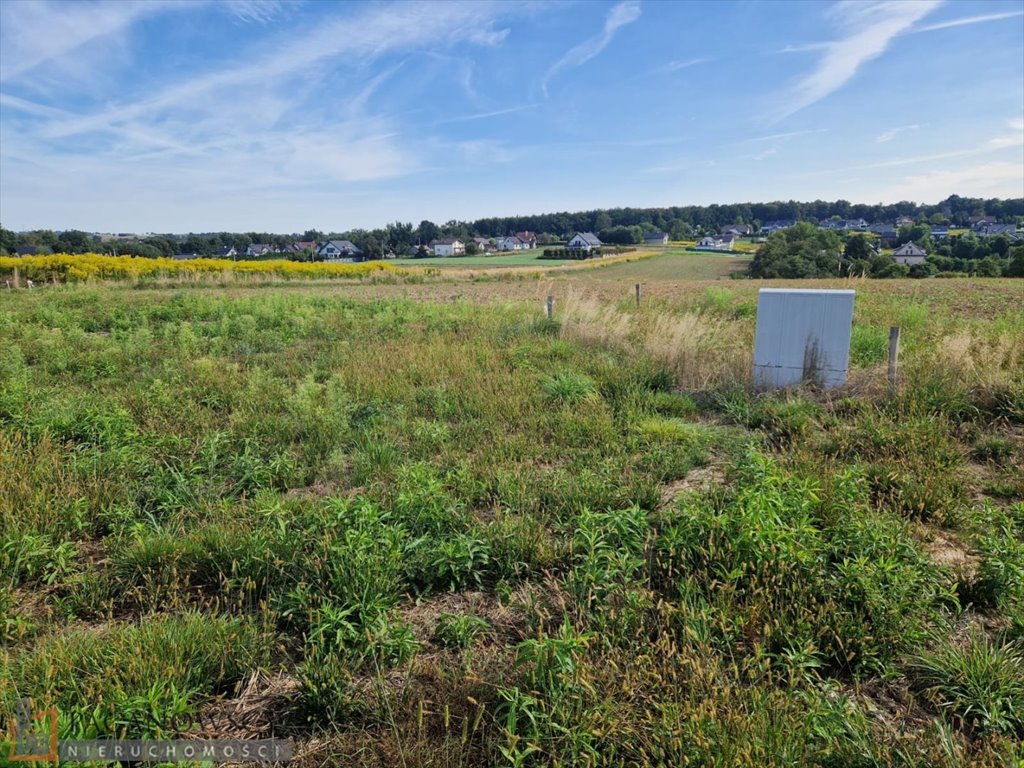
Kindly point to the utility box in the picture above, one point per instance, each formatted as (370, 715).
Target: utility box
(802, 336)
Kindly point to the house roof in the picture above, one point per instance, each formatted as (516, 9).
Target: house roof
(588, 237)
(225, 250)
(446, 241)
(910, 249)
(342, 245)
(1000, 229)
(654, 235)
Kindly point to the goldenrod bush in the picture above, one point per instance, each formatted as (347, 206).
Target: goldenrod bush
(95, 266)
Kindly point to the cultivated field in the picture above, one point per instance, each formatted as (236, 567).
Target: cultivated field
(406, 520)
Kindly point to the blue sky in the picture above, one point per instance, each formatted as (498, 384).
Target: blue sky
(280, 116)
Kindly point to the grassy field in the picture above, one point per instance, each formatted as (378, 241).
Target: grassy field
(412, 522)
(520, 259)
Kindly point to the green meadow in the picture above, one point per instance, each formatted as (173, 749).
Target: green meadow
(412, 530)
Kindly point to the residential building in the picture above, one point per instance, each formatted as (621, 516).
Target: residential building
(255, 250)
(227, 252)
(486, 245)
(511, 243)
(989, 230)
(583, 241)
(655, 238)
(774, 226)
(528, 238)
(448, 247)
(904, 221)
(909, 253)
(740, 230)
(712, 243)
(339, 250)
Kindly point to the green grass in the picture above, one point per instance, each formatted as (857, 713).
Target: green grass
(466, 535)
(514, 259)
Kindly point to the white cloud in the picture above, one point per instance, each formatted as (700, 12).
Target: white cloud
(892, 133)
(1014, 138)
(41, 33)
(255, 11)
(869, 29)
(995, 179)
(625, 12)
(786, 135)
(967, 20)
(675, 66)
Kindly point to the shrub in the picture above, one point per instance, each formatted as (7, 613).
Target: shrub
(569, 387)
(978, 683)
(457, 631)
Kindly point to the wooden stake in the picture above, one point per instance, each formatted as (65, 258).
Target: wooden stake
(551, 307)
(638, 294)
(894, 356)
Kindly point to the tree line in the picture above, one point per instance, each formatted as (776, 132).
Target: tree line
(805, 251)
(623, 226)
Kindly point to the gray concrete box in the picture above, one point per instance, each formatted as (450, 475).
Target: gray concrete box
(802, 335)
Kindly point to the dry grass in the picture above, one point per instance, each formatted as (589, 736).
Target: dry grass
(699, 350)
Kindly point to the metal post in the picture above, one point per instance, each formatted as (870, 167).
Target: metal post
(551, 307)
(894, 356)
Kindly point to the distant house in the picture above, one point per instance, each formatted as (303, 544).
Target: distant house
(855, 225)
(583, 241)
(940, 232)
(448, 247)
(740, 230)
(774, 226)
(511, 243)
(655, 238)
(27, 250)
(909, 253)
(258, 249)
(904, 221)
(485, 244)
(976, 220)
(885, 232)
(187, 255)
(989, 230)
(227, 252)
(528, 238)
(712, 243)
(339, 250)
(302, 245)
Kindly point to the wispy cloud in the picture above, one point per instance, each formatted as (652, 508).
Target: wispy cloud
(786, 135)
(869, 28)
(967, 20)
(995, 179)
(1014, 138)
(892, 133)
(36, 34)
(484, 115)
(675, 66)
(625, 12)
(255, 11)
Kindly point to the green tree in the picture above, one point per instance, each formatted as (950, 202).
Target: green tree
(800, 251)
(8, 241)
(1016, 266)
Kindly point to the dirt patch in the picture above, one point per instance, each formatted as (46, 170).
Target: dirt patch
(508, 621)
(261, 704)
(947, 551)
(698, 479)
